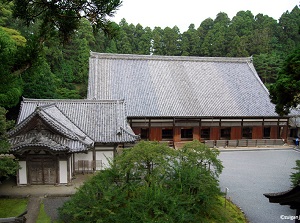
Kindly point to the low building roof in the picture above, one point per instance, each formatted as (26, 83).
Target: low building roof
(99, 121)
(290, 197)
(170, 86)
(65, 135)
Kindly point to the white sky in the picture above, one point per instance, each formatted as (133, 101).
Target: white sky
(169, 13)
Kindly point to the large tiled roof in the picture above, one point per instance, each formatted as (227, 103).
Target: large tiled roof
(103, 121)
(169, 86)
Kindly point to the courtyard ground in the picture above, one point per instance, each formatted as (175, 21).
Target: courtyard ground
(250, 174)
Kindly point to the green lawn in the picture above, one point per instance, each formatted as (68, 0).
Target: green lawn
(12, 207)
(43, 217)
(229, 214)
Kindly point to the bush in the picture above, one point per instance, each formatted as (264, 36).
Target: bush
(295, 177)
(150, 183)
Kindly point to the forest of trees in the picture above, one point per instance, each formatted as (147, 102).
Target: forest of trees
(56, 69)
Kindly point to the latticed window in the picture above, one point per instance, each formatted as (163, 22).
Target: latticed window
(225, 133)
(247, 132)
(187, 133)
(167, 134)
(144, 133)
(205, 133)
(267, 132)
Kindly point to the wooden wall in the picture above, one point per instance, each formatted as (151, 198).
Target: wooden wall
(214, 133)
(284, 133)
(274, 132)
(236, 132)
(196, 133)
(136, 130)
(177, 134)
(257, 132)
(156, 127)
(155, 134)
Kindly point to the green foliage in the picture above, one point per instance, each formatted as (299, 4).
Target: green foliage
(36, 77)
(65, 15)
(285, 93)
(43, 217)
(163, 184)
(8, 166)
(33, 55)
(295, 176)
(10, 89)
(5, 12)
(268, 66)
(12, 207)
(4, 144)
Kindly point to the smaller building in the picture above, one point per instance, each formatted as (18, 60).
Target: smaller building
(54, 139)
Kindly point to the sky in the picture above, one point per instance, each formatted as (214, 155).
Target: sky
(182, 13)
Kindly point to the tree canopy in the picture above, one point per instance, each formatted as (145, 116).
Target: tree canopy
(285, 93)
(33, 55)
(36, 54)
(163, 184)
(8, 166)
(65, 16)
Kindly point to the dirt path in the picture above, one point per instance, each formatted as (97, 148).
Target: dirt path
(33, 209)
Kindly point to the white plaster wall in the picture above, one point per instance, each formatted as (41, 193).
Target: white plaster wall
(102, 153)
(22, 173)
(63, 172)
(104, 156)
(84, 156)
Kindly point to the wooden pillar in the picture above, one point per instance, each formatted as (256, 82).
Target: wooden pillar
(200, 127)
(177, 134)
(278, 129)
(196, 133)
(150, 130)
(94, 158)
(287, 131)
(73, 160)
(57, 159)
(68, 169)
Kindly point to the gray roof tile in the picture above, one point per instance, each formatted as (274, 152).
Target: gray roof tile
(169, 86)
(103, 121)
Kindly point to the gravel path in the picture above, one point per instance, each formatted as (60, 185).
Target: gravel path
(250, 174)
(51, 205)
(33, 209)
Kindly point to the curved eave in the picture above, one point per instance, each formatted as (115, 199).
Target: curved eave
(65, 149)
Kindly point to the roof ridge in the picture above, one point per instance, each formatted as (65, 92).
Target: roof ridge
(257, 76)
(54, 101)
(170, 58)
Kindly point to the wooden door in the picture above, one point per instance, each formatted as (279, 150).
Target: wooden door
(42, 170)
